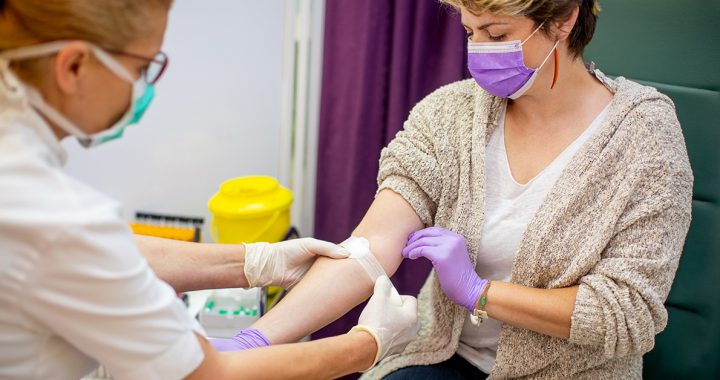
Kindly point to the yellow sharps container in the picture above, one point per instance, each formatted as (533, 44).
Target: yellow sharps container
(250, 209)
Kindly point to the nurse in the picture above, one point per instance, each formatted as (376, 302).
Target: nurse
(75, 288)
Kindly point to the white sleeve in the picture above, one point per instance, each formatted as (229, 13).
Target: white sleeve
(92, 287)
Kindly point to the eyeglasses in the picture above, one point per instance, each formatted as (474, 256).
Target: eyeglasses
(156, 66)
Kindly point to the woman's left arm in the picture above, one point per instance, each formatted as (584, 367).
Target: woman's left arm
(547, 311)
(618, 305)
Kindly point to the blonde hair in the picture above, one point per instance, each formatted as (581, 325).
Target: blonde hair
(542, 11)
(108, 23)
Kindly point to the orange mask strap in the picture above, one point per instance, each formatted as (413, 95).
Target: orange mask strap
(557, 68)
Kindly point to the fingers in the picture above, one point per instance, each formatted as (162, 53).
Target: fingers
(385, 289)
(430, 231)
(410, 306)
(395, 297)
(383, 286)
(423, 251)
(418, 252)
(409, 303)
(324, 248)
(427, 241)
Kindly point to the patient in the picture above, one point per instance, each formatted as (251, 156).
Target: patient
(568, 194)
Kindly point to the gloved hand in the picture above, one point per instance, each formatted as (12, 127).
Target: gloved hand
(449, 255)
(244, 340)
(390, 318)
(285, 263)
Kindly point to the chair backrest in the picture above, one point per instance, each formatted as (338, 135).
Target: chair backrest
(675, 46)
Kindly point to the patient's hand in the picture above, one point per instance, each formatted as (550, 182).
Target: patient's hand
(448, 253)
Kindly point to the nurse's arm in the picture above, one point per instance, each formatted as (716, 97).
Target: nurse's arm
(321, 359)
(332, 287)
(194, 266)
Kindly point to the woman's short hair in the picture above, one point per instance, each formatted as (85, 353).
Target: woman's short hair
(542, 11)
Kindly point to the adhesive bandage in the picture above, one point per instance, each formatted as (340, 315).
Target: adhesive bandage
(359, 249)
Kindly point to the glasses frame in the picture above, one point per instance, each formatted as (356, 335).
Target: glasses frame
(161, 58)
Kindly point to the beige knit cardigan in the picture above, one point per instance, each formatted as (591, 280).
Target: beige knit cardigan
(614, 224)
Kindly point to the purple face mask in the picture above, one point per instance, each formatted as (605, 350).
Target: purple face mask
(499, 67)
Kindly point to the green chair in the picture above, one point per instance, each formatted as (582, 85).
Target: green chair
(675, 46)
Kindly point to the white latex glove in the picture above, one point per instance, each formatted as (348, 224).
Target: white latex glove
(390, 318)
(285, 263)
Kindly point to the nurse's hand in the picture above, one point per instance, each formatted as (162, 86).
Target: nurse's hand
(285, 263)
(390, 318)
(449, 255)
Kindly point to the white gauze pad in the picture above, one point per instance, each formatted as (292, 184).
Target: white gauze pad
(359, 249)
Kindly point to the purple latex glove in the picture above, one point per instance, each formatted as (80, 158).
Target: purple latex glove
(449, 255)
(244, 340)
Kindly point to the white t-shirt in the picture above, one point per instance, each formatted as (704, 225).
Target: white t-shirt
(509, 206)
(74, 288)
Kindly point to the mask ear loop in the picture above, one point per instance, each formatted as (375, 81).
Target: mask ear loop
(112, 64)
(555, 53)
(532, 34)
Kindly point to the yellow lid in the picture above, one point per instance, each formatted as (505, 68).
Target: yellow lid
(249, 197)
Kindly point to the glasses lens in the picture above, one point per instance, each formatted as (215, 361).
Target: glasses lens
(156, 68)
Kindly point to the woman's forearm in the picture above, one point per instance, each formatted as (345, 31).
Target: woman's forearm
(194, 266)
(332, 287)
(546, 311)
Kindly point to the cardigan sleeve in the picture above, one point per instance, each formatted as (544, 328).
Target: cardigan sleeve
(409, 167)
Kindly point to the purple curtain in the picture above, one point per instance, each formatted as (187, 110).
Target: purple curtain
(380, 58)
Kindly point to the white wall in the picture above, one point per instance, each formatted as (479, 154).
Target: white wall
(216, 115)
(301, 107)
